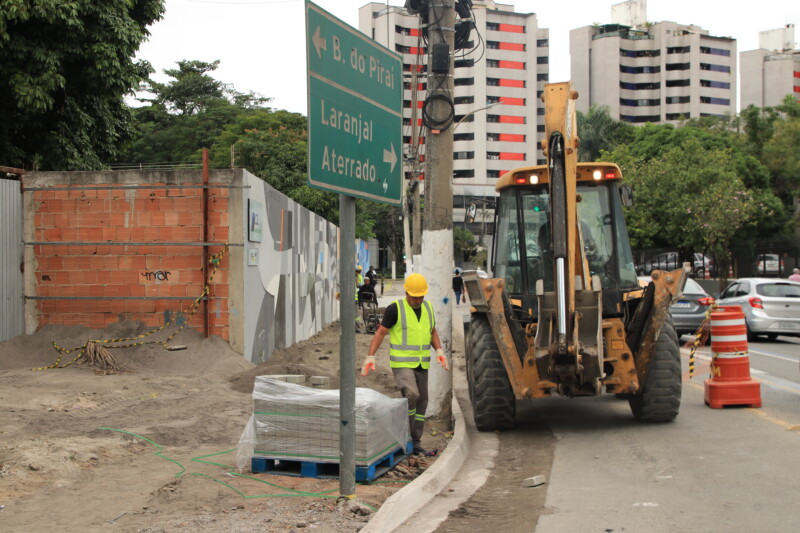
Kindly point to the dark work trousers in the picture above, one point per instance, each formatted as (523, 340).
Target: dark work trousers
(413, 385)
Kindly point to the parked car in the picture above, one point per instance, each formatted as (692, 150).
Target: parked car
(689, 310)
(769, 264)
(771, 306)
(701, 264)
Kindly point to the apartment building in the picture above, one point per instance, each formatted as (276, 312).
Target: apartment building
(772, 71)
(499, 115)
(652, 72)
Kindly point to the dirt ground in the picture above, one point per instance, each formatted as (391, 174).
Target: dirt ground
(153, 449)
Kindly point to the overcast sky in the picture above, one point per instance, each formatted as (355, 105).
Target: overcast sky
(261, 43)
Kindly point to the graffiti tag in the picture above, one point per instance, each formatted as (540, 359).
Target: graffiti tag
(158, 275)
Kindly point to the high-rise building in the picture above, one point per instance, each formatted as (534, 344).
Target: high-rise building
(499, 78)
(772, 71)
(652, 72)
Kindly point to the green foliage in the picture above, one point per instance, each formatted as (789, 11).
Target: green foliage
(695, 190)
(67, 66)
(598, 131)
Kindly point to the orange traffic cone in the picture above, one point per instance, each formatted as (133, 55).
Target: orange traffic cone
(730, 382)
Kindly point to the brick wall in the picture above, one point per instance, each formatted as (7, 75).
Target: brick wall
(87, 275)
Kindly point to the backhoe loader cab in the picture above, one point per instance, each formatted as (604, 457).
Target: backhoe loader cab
(565, 313)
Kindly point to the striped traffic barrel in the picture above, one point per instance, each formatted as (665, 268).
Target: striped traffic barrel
(728, 330)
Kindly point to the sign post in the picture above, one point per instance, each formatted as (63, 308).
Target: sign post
(355, 93)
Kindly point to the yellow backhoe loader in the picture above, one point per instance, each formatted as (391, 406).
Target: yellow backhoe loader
(565, 313)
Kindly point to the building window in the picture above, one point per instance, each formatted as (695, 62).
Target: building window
(542, 43)
(715, 68)
(492, 136)
(411, 32)
(544, 76)
(464, 173)
(410, 49)
(625, 69)
(492, 26)
(639, 86)
(540, 111)
(678, 116)
(678, 66)
(711, 115)
(493, 155)
(679, 49)
(639, 103)
(677, 100)
(493, 173)
(411, 68)
(463, 155)
(715, 51)
(493, 63)
(464, 100)
(677, 83)
(639, 53)
(420, 86)
(464, 136)
(715, 101)
(542, 60)
(492, 100)
(464, 63)
(715, 84)
(463, 118)
(640, 119)
(540, 128)
(493, 45)
(459, 82)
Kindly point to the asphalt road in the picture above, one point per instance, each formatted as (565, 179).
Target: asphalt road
(735, 469)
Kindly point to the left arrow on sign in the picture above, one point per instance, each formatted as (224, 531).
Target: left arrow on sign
(390, 156)
(319, 43)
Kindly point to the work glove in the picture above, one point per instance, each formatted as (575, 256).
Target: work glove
(369, 364)
(442, 359)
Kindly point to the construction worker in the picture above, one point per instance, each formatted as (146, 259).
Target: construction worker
(411, 326)
(359, 277)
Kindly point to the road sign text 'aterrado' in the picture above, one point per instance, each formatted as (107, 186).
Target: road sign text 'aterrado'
(354, 111)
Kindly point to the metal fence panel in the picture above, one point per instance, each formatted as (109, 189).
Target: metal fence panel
(12, 309)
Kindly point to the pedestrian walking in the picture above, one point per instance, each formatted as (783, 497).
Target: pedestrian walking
(795, 275)
(411, 326)
(458, 286)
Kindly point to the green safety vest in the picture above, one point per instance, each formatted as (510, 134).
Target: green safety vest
(409, 338)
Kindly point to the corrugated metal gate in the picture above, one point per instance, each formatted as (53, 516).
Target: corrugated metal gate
(12, 318)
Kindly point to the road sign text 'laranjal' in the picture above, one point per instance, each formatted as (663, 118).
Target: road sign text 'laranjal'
(355, 96)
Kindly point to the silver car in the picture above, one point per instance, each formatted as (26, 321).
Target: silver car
(771, 306)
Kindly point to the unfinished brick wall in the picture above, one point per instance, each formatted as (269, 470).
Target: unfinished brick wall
(109, 252)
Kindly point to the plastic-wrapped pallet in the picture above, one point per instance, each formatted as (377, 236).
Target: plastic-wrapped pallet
(298, 423)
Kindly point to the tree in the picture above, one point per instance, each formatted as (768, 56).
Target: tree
(66, 69)
(598, 131)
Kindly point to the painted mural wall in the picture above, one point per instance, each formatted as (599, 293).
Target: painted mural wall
(291, 271)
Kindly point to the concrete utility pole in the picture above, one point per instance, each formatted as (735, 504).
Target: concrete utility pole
(437, 226)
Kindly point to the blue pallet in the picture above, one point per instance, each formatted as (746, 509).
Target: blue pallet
(364, 474)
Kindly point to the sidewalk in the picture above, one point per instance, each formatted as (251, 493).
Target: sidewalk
(409, 500)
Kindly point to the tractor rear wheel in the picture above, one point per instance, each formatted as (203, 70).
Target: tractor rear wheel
(660, 397)
(493, 402)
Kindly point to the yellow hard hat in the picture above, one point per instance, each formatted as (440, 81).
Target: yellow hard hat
(358, 267)
(416, 285)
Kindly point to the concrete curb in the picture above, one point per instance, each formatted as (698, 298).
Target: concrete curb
(411, 498)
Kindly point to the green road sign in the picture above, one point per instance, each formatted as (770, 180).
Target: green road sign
(355, 97)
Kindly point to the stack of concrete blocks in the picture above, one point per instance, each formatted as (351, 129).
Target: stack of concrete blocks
(298, 423)
(316, 382)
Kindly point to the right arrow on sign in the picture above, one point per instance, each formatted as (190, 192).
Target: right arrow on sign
(319, 43)
(390, 156)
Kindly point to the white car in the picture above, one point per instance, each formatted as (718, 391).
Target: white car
(771, 306)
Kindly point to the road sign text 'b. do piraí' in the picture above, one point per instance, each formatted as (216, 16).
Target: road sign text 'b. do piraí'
(355, 99)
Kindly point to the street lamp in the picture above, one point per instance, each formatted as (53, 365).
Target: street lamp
(465, 117)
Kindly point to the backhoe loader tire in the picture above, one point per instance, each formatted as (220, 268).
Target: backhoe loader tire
(493, 403)
(660, 399)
